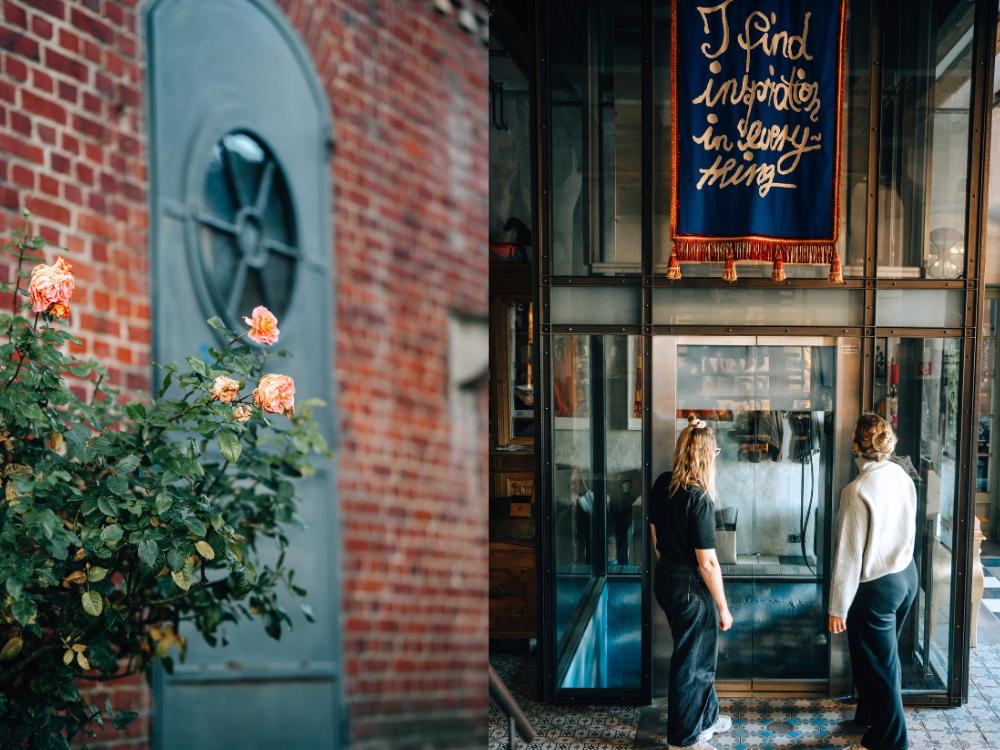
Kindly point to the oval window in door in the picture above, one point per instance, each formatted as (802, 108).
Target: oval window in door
(247, 233)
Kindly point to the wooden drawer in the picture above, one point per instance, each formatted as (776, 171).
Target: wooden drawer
(513, 484)
(512, 593)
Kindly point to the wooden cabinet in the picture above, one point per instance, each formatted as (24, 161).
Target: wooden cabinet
(512, 591)
(512, 545)
(512, 456)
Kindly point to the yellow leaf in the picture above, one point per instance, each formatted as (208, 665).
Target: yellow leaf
(183, 578)
(67, 657)
(205, 550)
(83, 661)
(19, 470)
(156, 634)
(80, 554)
(79, 646)
(77, 576)
(11, 493)
(57, 441)
(11, 649)
(161, 649)
(237, 549)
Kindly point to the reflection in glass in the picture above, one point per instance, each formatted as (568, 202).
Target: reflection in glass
(598, 528)
(987, 398)
(596, 92)
(247, 229)
(522, 387)
(919, 396)
(926, 88)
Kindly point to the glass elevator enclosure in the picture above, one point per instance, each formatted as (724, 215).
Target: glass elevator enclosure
(779, 412)
(781, 369)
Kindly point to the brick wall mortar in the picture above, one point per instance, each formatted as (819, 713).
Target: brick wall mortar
(408, 94)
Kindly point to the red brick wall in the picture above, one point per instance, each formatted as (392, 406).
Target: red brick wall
(408, 91)
(128, 694)
(72, 150)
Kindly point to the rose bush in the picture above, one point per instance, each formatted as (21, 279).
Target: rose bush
(122, 521)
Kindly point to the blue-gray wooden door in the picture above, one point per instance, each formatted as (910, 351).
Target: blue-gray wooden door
(236, 70)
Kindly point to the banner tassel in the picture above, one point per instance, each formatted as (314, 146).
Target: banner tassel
(729, 273)
(836, 275)
(674, 269)
(778, 273)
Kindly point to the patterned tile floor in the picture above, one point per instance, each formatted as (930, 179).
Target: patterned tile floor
(764, 723)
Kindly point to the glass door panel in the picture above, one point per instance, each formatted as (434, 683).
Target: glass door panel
(772, 403)
(917, 389)
(597, 492)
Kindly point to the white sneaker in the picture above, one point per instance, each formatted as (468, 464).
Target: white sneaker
(722, 724)
(699, 745)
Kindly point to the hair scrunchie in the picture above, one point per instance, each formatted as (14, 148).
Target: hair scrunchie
(698, 424)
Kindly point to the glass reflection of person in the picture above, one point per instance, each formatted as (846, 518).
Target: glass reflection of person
(875, 580)
(686, 580)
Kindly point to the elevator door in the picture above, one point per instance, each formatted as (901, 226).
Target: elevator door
(778, 408)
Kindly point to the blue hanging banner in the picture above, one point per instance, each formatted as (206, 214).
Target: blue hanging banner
(757, 113)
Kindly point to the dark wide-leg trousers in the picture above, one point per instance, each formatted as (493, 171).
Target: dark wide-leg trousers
(874, 622)
(692, 705)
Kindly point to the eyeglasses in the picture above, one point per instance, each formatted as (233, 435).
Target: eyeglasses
(718, 451)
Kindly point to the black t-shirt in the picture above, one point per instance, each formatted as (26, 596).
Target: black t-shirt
(683, 522)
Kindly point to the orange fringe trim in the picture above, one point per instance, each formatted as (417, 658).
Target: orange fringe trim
(778, 274)
(711, 251)
(836, 275)
(729, 273)
(674, 269)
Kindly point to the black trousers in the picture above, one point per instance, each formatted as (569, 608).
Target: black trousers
(874, 622)
(692, 705)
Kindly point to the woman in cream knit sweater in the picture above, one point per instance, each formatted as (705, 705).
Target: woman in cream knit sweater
(875, 580)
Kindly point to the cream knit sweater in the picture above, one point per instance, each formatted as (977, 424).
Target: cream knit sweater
(877, 529)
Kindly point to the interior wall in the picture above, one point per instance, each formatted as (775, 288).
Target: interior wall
(510, 167)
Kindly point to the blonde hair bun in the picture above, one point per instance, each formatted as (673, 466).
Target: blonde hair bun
(874, 436)
(696, 423)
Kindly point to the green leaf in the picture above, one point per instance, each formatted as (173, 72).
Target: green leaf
(14, 587)
(307, 611)
(136, 411)
(108, 506)
(195, 526)
(92, 603)
(216, 323)
(149, 552)
(230, 446)
(111, 534)
(163, 503)
(244, 581)
(128, 463)
(118, 484)
(33, 412)
(78, 434)
(167, 380)
(23, 610)
(175, 560)
(97, 574)
(198, 365)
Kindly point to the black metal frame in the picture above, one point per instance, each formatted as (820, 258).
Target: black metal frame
(984, 42)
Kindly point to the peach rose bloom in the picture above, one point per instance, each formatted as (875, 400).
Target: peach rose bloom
(264, 326)
(225, 389)
(274, 394)
(242, 412)
(51, 285)
(59, 310)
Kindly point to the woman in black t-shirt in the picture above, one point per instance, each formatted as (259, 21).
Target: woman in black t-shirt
(686, 580)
